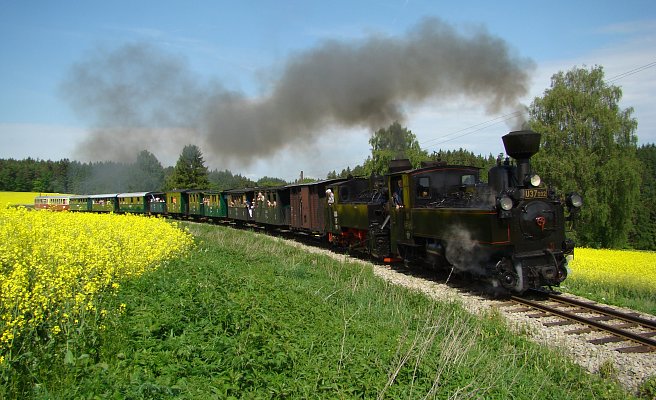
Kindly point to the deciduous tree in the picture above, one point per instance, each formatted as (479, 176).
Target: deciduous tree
(395, 142)
(589, 146)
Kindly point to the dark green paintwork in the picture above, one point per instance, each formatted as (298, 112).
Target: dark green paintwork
(483, 226)
(215, 205)
(176, 202)
(133, 204)
(79, 204)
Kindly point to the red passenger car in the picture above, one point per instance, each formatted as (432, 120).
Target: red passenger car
(55, 203)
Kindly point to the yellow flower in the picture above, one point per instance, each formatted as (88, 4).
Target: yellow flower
(54, 266)
(631, 268)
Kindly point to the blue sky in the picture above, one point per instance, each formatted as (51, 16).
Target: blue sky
(245, 46)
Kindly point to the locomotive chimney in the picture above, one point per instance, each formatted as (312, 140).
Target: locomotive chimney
(521, 145)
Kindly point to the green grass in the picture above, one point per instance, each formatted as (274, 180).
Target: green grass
(247, 316)
(615, 293)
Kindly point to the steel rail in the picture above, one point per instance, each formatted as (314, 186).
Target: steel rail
(634, 337)
(647, 323)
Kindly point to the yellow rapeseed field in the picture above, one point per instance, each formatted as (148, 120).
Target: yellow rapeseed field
(634, 269)
(54, 266)
(23, 198)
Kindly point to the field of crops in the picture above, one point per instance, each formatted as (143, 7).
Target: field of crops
(55, 266)
(620, 277)
(21, 198)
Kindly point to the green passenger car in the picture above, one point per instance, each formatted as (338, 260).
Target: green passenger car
(104, 202)
(177, 202)
(157, 203)
(80, 203)
(196, 206)
(240, 204)
(271, 206)
(133, 202)
(215, 205)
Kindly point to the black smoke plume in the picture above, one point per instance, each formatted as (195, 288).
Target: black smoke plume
(138, 96)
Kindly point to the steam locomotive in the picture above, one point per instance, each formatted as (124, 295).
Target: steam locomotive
(509, 231)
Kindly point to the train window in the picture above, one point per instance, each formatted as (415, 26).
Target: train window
(344, 193)
(468, 179)
(423, 187)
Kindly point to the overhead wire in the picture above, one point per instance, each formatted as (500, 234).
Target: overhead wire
(631, 72)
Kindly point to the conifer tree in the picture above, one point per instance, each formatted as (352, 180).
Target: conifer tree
(190, 171)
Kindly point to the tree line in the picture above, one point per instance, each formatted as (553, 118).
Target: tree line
(145, 174)
(589, 145)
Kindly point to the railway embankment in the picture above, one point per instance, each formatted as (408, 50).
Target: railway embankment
(249, 315)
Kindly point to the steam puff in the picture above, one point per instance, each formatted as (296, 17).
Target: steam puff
(361, 83)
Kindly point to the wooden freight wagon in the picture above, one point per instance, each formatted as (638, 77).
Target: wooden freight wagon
(308, 206)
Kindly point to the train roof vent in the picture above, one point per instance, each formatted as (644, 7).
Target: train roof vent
(399, 165)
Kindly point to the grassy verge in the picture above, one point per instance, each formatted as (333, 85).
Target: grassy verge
(617, 294)
(246, 316)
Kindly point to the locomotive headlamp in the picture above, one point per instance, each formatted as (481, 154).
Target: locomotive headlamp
(505, 203)
(535, 180)
(574, 200)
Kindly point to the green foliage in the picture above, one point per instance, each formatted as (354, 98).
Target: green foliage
(589, 146)
(647, 389)
(224, 180)
(643, 232)
(358, 170)
(267, 181)
(247, 316)
(395, 142)
(465, 157)
(620, 294)
(190, 171)
(31, 175)
(65, 176)
(146, 174)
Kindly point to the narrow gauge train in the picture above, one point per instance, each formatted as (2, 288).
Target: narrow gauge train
(509, 231)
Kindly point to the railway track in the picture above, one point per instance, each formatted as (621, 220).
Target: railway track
(637, 332)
